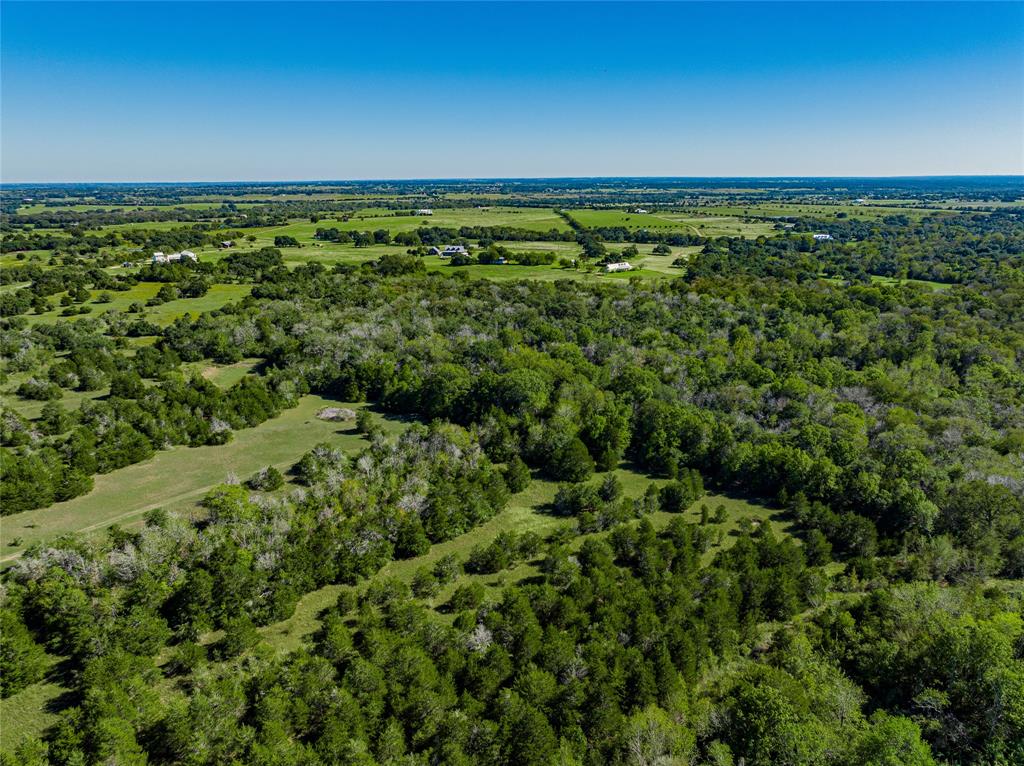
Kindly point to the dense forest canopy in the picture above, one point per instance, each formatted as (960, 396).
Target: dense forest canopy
(865, 388)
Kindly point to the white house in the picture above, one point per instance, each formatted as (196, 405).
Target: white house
(620, 266)
(822, 237)
(450, 250)
(640, 210)
(425, 211)
(175, 257)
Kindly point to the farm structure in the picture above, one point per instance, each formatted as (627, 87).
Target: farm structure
(159, 257)
(620, 266)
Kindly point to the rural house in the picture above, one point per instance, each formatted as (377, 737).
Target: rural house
(159, 257)
(450, 250)
(620, 266)
(822, 237)
(425, 211)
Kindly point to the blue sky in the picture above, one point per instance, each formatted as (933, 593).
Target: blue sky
(288, 91)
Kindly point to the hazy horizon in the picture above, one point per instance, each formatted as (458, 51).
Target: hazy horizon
(1017, 177)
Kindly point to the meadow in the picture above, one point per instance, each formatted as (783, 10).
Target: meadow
(176, 479)
(371, 219)
(865, 211)
(665, 223)
(163, 314)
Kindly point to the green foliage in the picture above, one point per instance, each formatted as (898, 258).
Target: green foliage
(22, 660)
(572, 462)
(517, 475)
(884, 419)
(239, 635)
(266, 479)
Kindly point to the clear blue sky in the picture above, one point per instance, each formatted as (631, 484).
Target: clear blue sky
(264, 91)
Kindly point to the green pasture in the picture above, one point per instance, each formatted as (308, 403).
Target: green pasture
(534, 219)
(330, 254)
(32, 408)
(36, 208)
(665, 223)
(724, 226)
(224, 375)
(176, 479)
(867, 211)
(164, 314)
(940, 286)
(23, 258)
(895, 282)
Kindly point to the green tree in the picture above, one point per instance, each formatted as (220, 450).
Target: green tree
(572, 462)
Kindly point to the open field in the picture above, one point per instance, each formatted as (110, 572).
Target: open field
(922, 282)
(890, 281)
(721, 226)
(164, 314)
(801, 209)
(664, 223)
(224, 375)
(177, 478)
(331, 253)
(535, 219)
(32, 408)
(36, 208)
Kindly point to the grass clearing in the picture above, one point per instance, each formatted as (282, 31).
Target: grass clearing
(665, 223)
(530, 218)
(816, 210)
(217, 296)
(176, 479)
(34, 709)
(224, 375)
(527, 511)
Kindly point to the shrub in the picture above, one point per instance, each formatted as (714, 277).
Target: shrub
(468, 596)
(266, 479)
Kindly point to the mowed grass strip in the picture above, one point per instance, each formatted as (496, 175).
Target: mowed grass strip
(32, 710)
(528, 511)
(176, 479)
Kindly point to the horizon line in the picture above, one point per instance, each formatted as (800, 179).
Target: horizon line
(480, 179)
